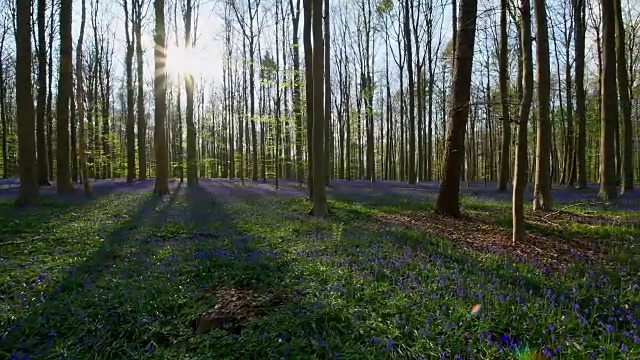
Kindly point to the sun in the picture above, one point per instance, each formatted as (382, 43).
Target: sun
(181, 62)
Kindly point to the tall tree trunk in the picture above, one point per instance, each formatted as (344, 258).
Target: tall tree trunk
(447, 202)
(609, 113)
(327, 96)
(542, 192)
(320, 207)
(412, 119)
(308, 60)
(160, 89)
(50, 156)
(625, 103)
(579, 35)
(43, 171)
(192, 160)
(63, 178)
(3, 108)
(505, 149)
(131, 122)
(297, 86)
(520, 174)
(82, 142)
(142, 121)
(28, 194)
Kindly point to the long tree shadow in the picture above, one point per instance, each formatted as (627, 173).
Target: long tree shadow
(156, 273)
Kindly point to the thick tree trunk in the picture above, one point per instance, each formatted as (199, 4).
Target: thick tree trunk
(320, 207)
(447, 202)
(28, 194)
(160, 89)
(609, 113)
(542, 192)
(520, 174)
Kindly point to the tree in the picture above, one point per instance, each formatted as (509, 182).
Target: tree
(520, 175)
(84, 171)
(41, 145)
(609, 113)
(192, 159)
(160, 92)
(131, 122)
(142, 121)
(320, 206)
(63, 179)
(625, 103)
(28, 194)
(542, 186)
(412, 118)
(309, 89)
(448, 202)
(581, 121)
(505, 149)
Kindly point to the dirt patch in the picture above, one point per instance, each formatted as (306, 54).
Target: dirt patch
(479, 234)
(235, 308)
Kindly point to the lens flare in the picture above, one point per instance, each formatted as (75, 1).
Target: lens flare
(475, 308)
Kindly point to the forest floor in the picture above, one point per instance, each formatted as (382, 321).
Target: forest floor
(226, 271)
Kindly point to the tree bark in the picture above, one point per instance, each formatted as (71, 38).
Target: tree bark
(542, 184)
(625, 103)
(520, 174)
(43, 168)
(160, 89)
(63, 178)
(28, 194)
(609, 113)
(579, 34)
(505, 149)
(320, 207)
(308, 60)
(448, 202)
(82, 142)
(131, 122)
(142, 121)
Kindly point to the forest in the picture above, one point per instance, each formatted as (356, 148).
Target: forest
(319, 179)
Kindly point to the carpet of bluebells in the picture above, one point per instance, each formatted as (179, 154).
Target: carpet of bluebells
(122, 276)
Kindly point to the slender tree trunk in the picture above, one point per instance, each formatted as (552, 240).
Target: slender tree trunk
(43, 171)
(131, 123)
(63, 178)
(84, 172)
(579, 34)
(192, 160)
(412, 119)
(160, 89)
(447, 202)
(308, 59)
(28, 194)
(609, 114)
(142, 121)
(625, 103)
(320, 207)
(505, 149)
(542, 192)
(327, 95)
